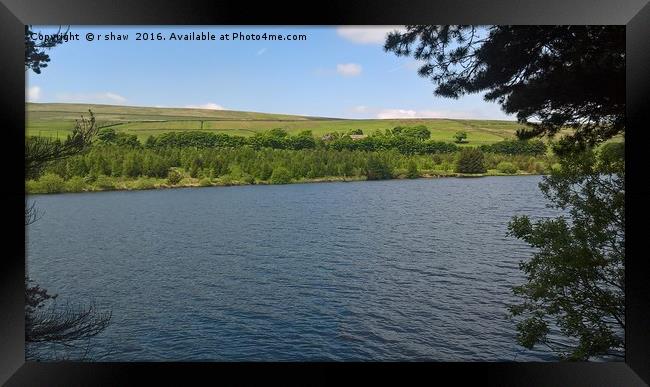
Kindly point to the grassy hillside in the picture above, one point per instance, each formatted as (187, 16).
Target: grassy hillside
(56, 119)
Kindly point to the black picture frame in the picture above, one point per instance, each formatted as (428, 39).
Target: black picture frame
(14, 14)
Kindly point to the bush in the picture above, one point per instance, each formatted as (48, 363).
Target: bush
(104, 182)
(205, 182)
(516, 147)
(33, 187)
(75, 184)
(541, 168)
(460, 137)
(412, 170)
(612, 153)
(174, 177)
(280, 175)
(51, 183)
(506, 167)
(470, 160)
(145, 183)
(378, 169)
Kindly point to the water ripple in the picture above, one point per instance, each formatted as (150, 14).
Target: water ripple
(395, 270)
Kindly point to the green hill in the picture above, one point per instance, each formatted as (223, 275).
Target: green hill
(57, 119)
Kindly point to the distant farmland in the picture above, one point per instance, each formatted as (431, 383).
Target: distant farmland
(57, 119)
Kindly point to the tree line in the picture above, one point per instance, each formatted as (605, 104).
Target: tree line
(104, 163)
(406, 140)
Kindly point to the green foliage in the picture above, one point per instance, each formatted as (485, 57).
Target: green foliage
(304, 140)
(612, 156)
(51, 183)
(132, 165)
(110, 136)
(246, 165)
(419, 132)
(41, 152)
(516, 147)
(575, 279)
(104, 182)
(470, 160)
(145, 183)
(205, 182)
(558, 82)
(378, 169)
(194, 139)
(412, 170)
(460, 137)
(125, 139)
(174, 177)
(507, 167)
(280, 175)
(75, 184)
(107, 135)
(33, 187)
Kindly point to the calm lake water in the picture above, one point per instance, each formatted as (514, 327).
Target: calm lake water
(387, 270)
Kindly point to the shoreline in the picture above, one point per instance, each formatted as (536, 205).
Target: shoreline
(162, 184)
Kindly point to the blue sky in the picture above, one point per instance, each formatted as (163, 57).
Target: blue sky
(335, 72)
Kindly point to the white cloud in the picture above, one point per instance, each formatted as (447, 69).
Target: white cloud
(113, 97)
(33, 93)
(360, 109)
(260, 52)
(348, 69)
(408, 113)
(209, 105)
(366, 34)
(103, 97)
(413, 113)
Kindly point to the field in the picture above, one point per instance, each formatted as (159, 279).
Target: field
(57, 119)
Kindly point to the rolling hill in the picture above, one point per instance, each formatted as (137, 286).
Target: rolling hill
(57, 119)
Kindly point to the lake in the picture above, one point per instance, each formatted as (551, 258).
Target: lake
(382, 270)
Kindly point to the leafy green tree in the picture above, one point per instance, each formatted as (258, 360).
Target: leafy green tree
(74, 184)
(460, 137)
(131, 166)
(576, 276)
(280, 175)
(551, 77)
(42, 151)
(419, 132)
(174, 177)
(107, 135)
(516, 147)
(412, 170)
(470, 160)
(506, 167)
(304, 140)
(125, 139)
(378, 169)
(51, 183)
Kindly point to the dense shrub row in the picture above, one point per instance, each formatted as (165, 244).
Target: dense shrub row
(103, 165)
(516, 147)
(406, 140)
